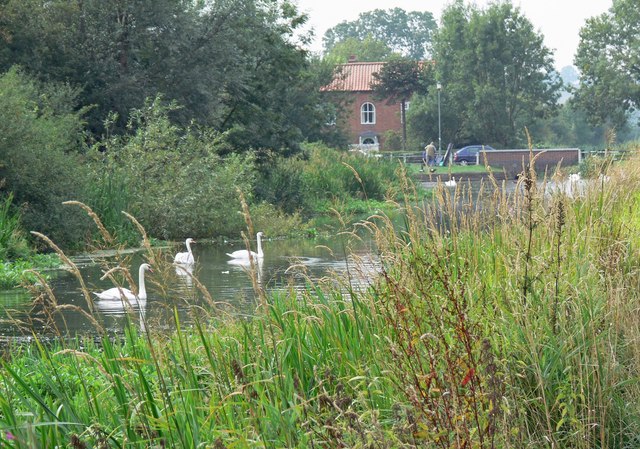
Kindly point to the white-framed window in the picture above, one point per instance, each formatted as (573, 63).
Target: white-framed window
(367, 113)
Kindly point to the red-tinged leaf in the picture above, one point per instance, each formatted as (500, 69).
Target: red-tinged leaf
(468, 377)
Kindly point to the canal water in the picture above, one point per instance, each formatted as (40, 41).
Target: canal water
(288, 264)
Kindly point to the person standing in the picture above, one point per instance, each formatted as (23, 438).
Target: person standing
(430, 152)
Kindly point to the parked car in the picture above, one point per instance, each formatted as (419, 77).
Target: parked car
(469, 154)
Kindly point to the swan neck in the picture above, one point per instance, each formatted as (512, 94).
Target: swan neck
(259, 245)
(142, 291)
(188, 247)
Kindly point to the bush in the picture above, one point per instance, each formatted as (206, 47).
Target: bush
(274, 222)
(13, 242)
(42, 137)
(281, 183)
(392, 141)
(306, 183)
(335, 174)
(171, 179)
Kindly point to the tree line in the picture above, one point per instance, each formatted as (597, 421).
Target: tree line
(230, 65)
(497, 76)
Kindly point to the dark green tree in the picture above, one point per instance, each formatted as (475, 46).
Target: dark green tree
(568, 128)
(41, 162)
(397, 81)
(365, 50)
(407, 33)
(232, 65)
(496, 74)
(608, 58)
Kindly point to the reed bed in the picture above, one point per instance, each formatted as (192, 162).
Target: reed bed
(510, 322)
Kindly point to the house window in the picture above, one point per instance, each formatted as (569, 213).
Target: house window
(368, 113)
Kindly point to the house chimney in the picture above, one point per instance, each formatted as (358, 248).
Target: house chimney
(353, 58)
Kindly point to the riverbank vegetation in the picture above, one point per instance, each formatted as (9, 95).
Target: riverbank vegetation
(509, 325)
(177, 180)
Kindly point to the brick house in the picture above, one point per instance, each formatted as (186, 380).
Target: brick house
(365, 119)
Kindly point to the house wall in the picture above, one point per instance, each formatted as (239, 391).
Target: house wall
(387, 118)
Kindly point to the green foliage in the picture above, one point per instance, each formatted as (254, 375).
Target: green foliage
(334, 174)
(18, 271)
(281, 182)
(608, 62)
(568, 129)
(497, 76)
(108, 195)
(392, 140)
(230, 65)
(407, 33)
(39, 155)
(321, 176)
(173, 180)
(13, 242)
(366, 50)
(274, 222)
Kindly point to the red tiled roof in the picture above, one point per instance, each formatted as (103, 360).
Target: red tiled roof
(355, 76)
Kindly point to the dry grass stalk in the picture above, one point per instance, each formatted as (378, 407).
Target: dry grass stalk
(106, 236)
(71, 267)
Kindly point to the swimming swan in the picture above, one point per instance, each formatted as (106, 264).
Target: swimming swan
(119, 294)
(244, 254)
(187, 257)
(451, 183)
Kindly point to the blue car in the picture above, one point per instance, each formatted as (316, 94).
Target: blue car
(469, 154)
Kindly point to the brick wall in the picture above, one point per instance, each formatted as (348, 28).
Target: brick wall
(387, 118)
(512, 160)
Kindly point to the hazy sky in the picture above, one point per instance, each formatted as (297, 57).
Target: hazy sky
(558, 20)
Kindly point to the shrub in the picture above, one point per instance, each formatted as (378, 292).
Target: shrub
(41, 136)
(281, 182)
(322, 176)
(274, 222)
(330, 173)
(173, 180)
(392, 141)
(13, 242)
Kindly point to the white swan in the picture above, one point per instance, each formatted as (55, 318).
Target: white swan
(119, 294)
(451, 183)
(186, 257)
(245, 254)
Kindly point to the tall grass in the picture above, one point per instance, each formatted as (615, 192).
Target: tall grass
(509, 322)
(13, 242)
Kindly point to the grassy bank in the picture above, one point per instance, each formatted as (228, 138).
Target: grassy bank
(513, 326)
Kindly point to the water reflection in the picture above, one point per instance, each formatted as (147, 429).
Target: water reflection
(184, 272)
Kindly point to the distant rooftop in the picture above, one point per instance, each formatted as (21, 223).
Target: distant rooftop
(355, 76)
